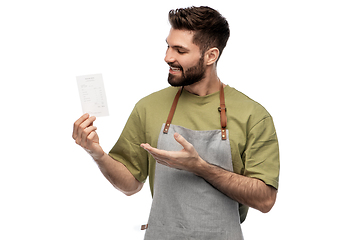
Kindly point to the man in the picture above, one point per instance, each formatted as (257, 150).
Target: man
(216, 155)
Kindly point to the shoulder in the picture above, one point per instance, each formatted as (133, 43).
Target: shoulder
(159, 98)
(242, 102)
(244, 111)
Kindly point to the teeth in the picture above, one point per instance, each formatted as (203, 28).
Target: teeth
(175, 69)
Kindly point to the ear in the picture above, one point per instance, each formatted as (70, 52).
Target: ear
(211, 56)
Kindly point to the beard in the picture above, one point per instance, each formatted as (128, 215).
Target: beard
(190, 76)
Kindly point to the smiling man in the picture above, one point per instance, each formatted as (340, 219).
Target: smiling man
(211, 152)
(188, 57)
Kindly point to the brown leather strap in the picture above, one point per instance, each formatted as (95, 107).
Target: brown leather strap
(222, 110)
(144, 227)
(172, 111)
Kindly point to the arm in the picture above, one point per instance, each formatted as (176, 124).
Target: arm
(248, 191)
(116, 173)
(251, 192)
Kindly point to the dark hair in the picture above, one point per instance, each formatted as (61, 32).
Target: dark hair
(210, 28)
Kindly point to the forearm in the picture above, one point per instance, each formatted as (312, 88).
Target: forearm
(248, 191)
(118, 175)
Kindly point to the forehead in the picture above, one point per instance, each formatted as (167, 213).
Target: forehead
(181, 38)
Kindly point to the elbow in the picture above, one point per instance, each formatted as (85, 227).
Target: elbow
(266, 207)
(127, 192)
(267, 204)
(131, 191)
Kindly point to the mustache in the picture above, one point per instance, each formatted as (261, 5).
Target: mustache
(175, 66)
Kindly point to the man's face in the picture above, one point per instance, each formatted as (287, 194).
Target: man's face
(184, 58)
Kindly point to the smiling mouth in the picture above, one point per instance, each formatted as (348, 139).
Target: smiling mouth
(175, 69)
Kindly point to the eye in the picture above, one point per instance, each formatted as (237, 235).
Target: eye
(180, 52)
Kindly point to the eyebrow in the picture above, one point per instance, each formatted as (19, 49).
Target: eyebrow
(178, 46)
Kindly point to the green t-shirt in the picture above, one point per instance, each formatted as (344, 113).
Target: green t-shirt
(252, 135)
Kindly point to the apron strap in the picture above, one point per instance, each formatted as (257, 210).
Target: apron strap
(222, 110)
(172, 111)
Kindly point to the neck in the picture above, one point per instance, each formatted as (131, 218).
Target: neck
(208, 85)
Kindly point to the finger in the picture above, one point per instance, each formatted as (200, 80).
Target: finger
(85, 124)
(84, 130)
(144, 145)
(156, 153)
(180, 139)
(90, 139)
(147, 147)
(88, 122)
(163, 163)
(77, 124)
(88, 135)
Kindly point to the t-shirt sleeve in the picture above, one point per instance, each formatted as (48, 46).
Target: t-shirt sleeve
(261, 155)
(127, 149)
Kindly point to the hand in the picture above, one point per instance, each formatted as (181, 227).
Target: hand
(85, 135)
(187, 159)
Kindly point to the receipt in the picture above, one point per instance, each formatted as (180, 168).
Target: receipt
(92, 95)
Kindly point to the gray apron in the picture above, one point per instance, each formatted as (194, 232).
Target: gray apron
(184, 205)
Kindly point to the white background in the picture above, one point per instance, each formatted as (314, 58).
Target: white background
(299, 59)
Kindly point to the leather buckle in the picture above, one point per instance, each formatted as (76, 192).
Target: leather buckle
(144, 227)
(220, 108)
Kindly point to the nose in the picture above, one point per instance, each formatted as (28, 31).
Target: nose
(169, 58)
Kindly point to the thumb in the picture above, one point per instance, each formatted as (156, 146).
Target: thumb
(180, 139)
